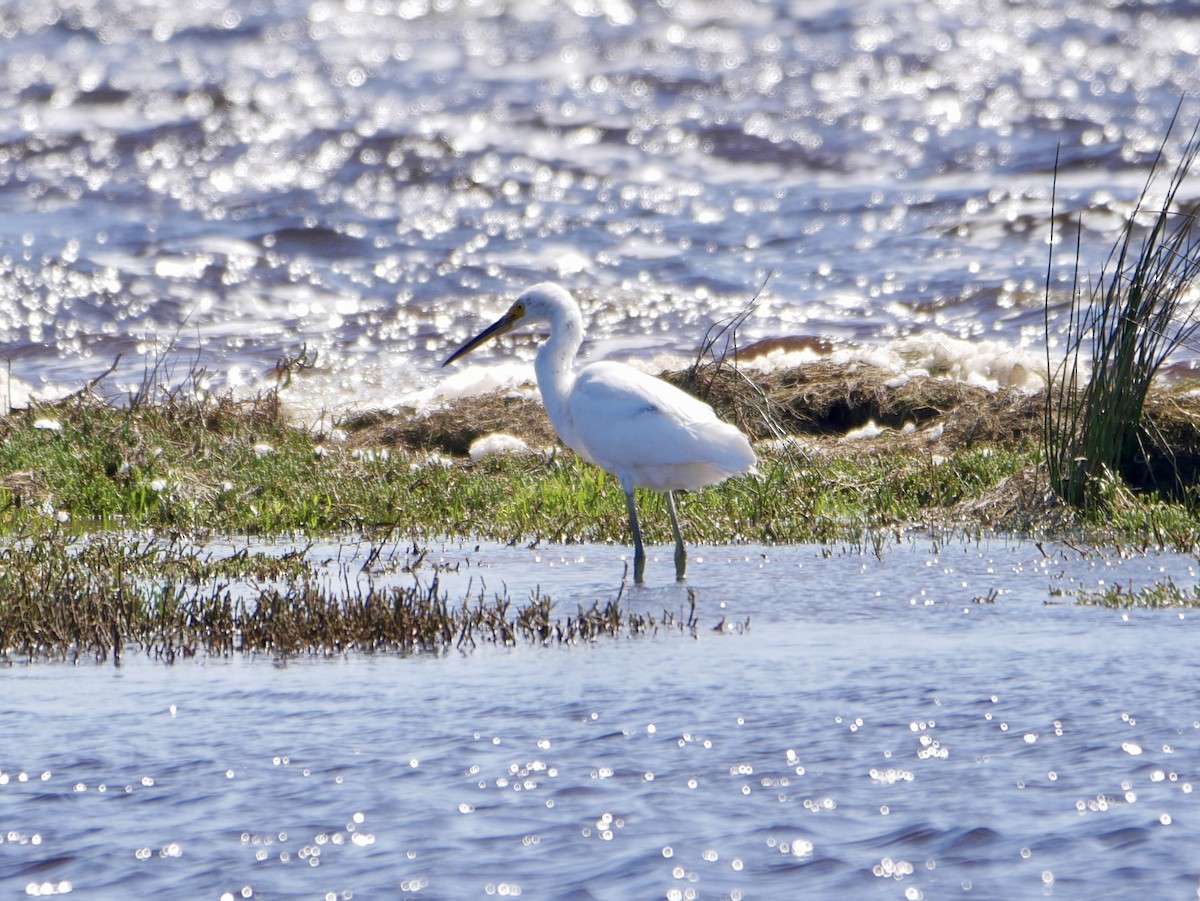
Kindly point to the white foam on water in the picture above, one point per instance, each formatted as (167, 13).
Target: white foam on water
(325, 396)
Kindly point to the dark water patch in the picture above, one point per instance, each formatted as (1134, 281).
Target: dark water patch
(975, 839)
(1127, 837)
(320, 241)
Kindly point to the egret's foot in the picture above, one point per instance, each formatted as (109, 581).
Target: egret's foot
(680, 564)
(639, 566)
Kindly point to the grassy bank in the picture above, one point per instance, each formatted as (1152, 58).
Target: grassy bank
(941, 456)
(102, 509)
(240, 468)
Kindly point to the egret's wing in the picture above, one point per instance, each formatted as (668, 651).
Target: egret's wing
(650, 433)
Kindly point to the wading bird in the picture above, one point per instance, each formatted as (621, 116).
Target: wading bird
(645, 432)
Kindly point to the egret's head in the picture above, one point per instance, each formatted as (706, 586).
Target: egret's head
(501, 326)
(542, 302)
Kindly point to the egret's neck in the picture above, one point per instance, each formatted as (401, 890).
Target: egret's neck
(555, 365)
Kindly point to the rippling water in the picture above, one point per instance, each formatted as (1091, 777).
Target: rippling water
(221, 183)
(876, 731)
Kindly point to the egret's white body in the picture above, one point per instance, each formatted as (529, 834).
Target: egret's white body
(645, 432)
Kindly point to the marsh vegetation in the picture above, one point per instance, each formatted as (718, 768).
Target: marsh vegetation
(103, 504)
(105, 508)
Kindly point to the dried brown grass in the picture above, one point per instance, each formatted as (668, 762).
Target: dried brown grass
(109, 595)
(820, 400)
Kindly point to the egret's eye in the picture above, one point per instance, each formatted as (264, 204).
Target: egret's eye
(518, 308)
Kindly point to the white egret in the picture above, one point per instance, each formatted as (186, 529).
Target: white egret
(645, 432)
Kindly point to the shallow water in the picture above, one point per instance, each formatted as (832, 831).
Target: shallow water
(218, 184)
(875, 731)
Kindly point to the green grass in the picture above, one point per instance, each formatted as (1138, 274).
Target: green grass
(195, 469)
(113, 468)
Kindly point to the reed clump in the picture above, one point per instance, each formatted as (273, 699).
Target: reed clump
(1118, 336)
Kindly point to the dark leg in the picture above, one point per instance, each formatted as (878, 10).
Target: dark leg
(639, 552)
(680, 550)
